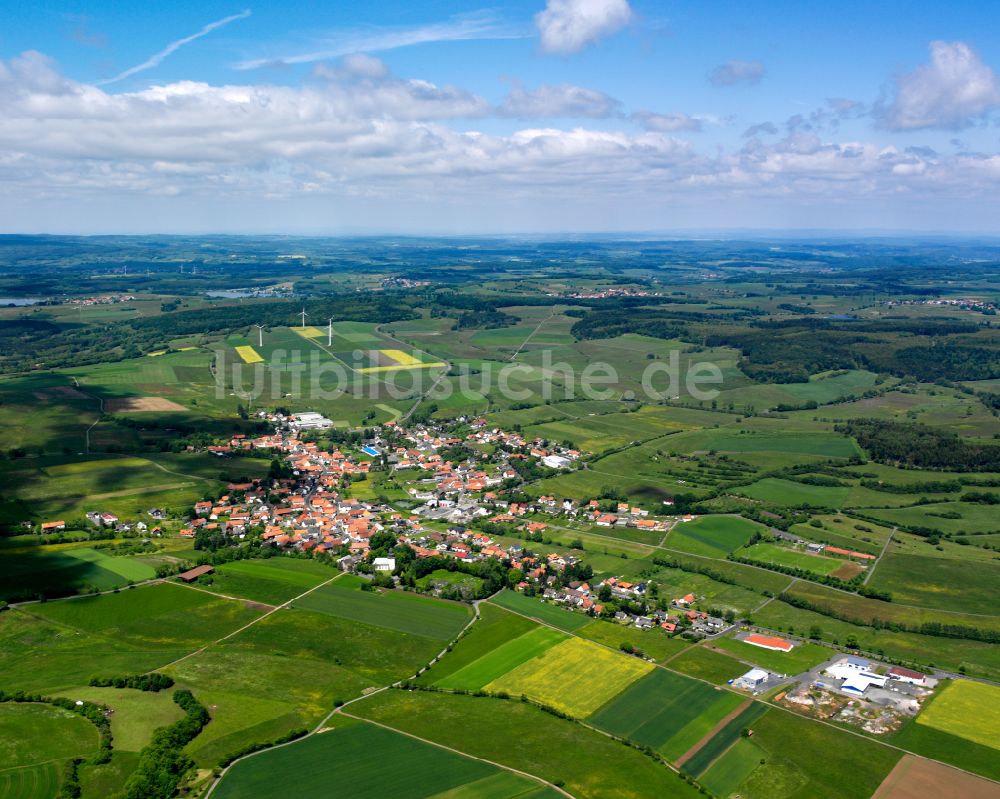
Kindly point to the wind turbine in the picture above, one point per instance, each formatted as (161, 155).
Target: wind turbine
(303, 314)
(260, 335)
(329, 333)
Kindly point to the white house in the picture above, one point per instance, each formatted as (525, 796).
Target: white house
(384, 564)
(900, 674)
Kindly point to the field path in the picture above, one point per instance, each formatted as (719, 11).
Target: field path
(263, 616)
(163, 468)
(710, 735)
(323, 725)
(881, 554)
(771, 599)
(464, 754)
(100, 400)
(532, 333)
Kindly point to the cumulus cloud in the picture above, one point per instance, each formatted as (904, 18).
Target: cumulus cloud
(157, 58)
(737, 73)
(566, 26)
(356, 130)
(666, 123)
(955, 90)
(557, 101)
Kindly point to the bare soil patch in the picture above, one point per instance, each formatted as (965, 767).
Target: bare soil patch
(916, 778)
(138, 404)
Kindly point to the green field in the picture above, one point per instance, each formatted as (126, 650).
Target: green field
(707, 664)
(394, 610)
(494, 628)
(35, 734)
(725, 738)
(25, 575)
(946, 583)
(968, 517)
(590, 765)
(575, 676)
(801, 658)
(865, 611)
(506, 657)
(272, 581)
(828, 445)
(288, 671)
(790, 493)
(544, 612)
(353, 755)
(786, 556)
(712, 536)
(726, 774)
(667, 711)
(136, 713)
(806, 759)
(63, 644)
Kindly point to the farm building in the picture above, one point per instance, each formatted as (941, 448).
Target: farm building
(906, 675)
(198, 571)
(48, 527)
(855, 675)
(752, 680)
(384, 564)
(769, 642)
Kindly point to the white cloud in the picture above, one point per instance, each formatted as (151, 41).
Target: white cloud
(465, 27)
(736, 72)
(953, 91)
(355, 130)
(566, 26)
(557, 101)
(667, 123)
(157, 58)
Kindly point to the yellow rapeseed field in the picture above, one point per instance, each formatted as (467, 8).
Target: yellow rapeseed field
(249, 354)
(970, 710)
(576, 677)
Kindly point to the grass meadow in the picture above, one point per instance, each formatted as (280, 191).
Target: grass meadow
(393, 610)
(707, 664)
(712, 536)
(272, 581)
(353, 754)
(951, 584)
(544, 612)
(801, 658)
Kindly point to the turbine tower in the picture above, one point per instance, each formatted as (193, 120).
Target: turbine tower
(260, 335)
(329, 333)
(303, 314)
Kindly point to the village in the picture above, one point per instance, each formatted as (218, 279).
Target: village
(456, 508)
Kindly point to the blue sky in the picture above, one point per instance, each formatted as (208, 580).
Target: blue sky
(544, 116)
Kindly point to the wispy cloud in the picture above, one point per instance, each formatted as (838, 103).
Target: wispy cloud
(156, 59)
(464, 27)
